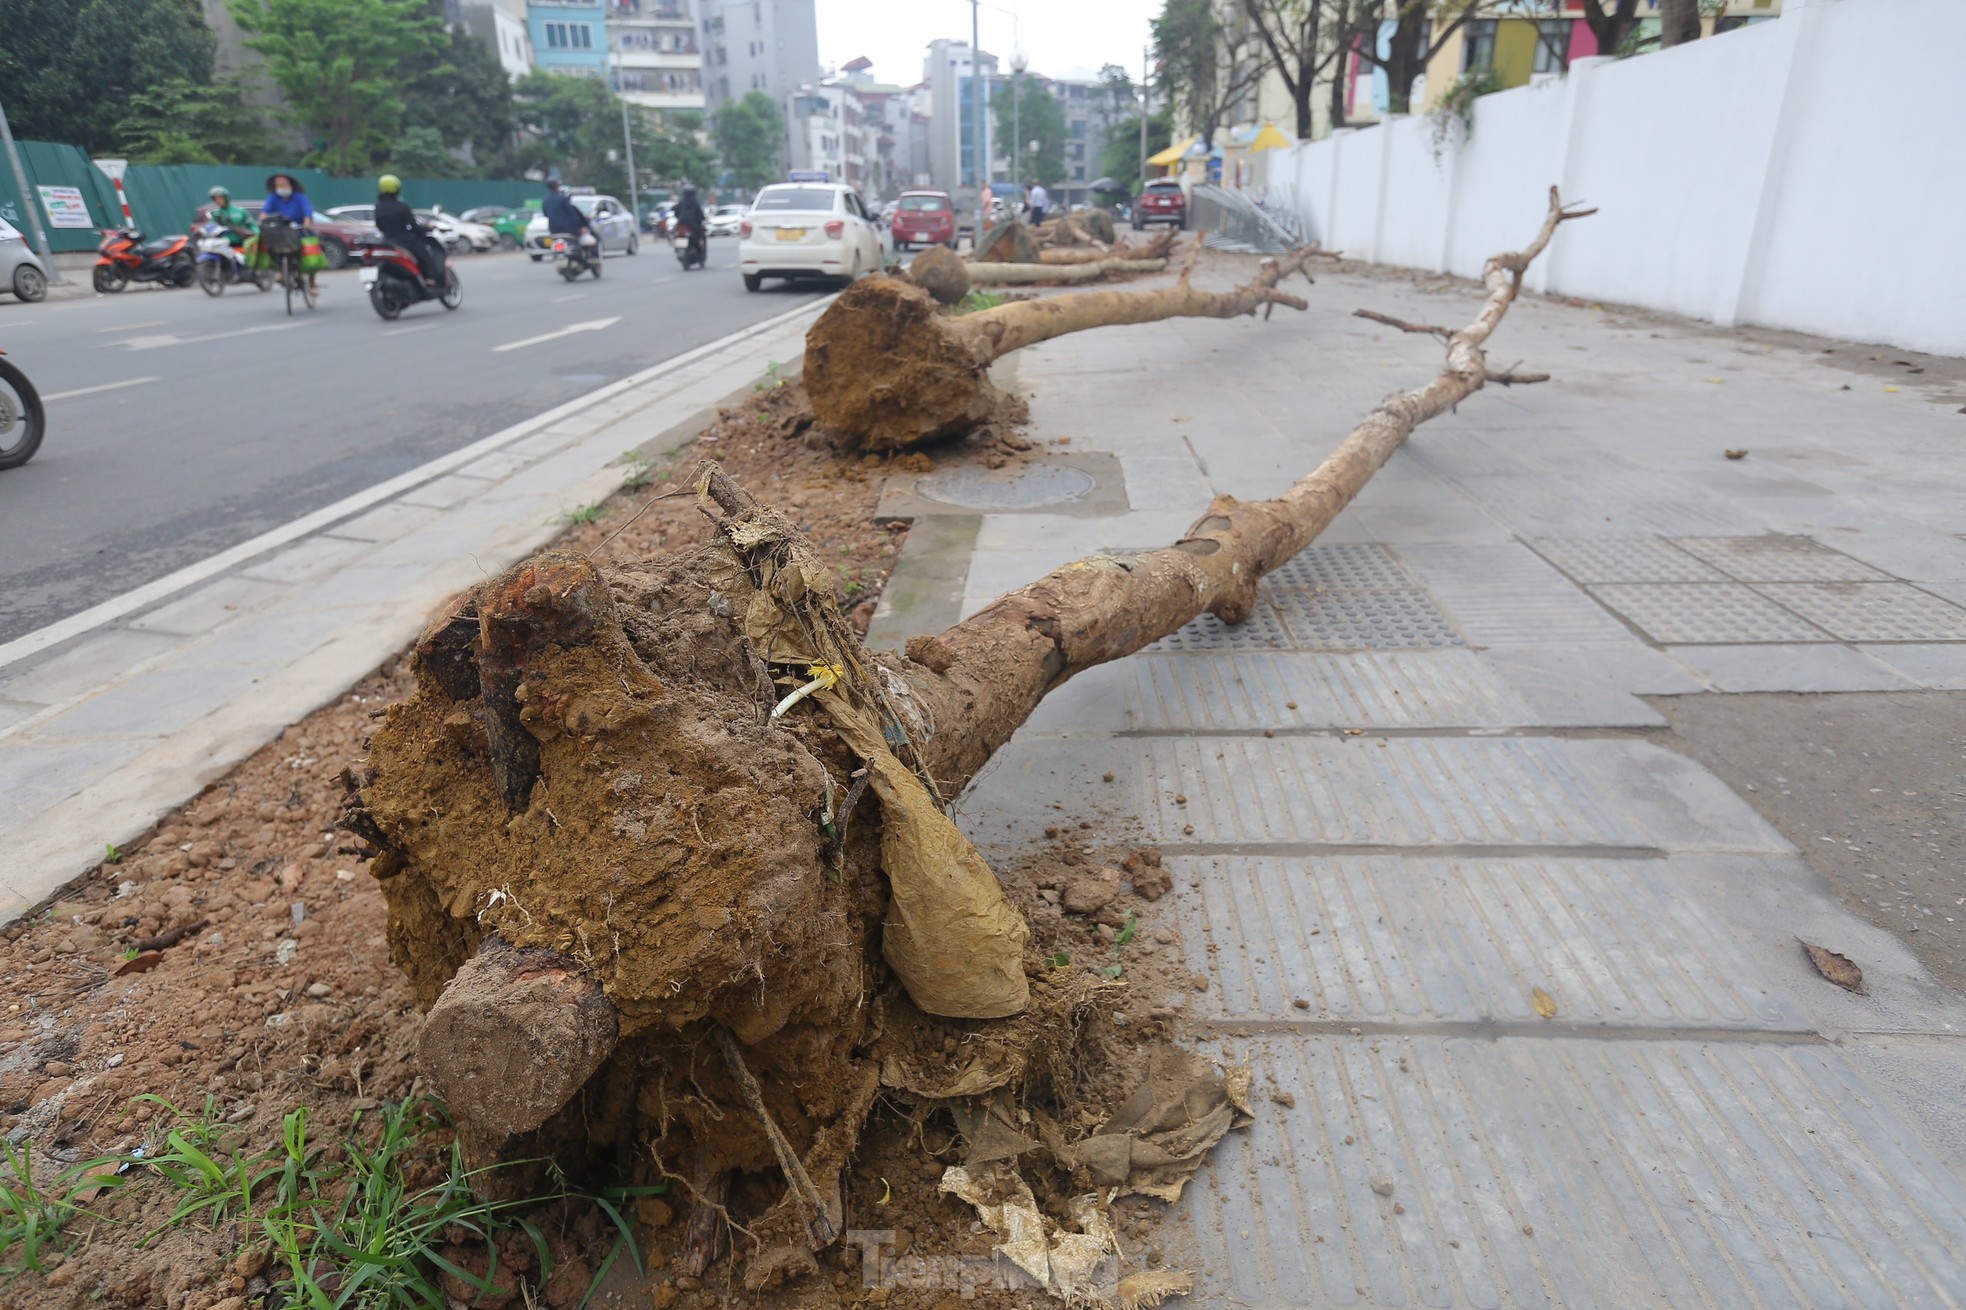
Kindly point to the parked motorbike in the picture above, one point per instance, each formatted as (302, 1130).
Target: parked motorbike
(125, 257)
(572, 258)
(692, 250)
(22, 420)
(222, 264)
(394, 281)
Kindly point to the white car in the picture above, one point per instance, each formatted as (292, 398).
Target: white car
(455, 234)
(610, 219)
(807, 229)
(724, 221)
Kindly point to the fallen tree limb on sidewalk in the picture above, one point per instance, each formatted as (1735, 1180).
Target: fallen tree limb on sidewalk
(1049, 274)
(666, 831)
(885, 371)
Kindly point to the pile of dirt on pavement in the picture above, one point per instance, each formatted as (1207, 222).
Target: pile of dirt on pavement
(241, 954)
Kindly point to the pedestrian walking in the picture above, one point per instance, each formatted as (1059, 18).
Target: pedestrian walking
(1036, 201)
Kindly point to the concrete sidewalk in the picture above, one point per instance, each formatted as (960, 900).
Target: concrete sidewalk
(1702, 1120)
(111, 718)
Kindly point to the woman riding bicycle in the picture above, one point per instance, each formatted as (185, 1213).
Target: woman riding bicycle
(286, 199)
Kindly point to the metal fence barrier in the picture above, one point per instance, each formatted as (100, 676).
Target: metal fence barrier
(1232, 221)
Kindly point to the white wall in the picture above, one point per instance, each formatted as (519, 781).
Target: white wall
(1808, 173)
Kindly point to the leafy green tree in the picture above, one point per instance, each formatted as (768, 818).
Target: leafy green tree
(1027, 104)
(458, 90)
(421, 151)
(339, 62)
(574, 129)
(1119, 157)
(750, 135)
(184, 122)
(70, 69)
(676, 151)
(1206, 66)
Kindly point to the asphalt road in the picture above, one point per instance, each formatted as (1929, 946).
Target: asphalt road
(180, 424)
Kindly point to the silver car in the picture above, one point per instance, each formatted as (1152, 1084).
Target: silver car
(611, 221)
(20, 269)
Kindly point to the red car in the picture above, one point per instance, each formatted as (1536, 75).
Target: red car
(925, 218)
(337, 237)
(1162, 201)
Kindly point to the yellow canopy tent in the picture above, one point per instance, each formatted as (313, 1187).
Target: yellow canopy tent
(1269, 139)
(1174, 154)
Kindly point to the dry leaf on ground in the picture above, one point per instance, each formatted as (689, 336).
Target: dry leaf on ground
(1839, 969)
(1545, 1003)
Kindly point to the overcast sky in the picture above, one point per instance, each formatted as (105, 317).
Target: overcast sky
(1061, 38)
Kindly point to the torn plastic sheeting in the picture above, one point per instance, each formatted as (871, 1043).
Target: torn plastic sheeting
(1158, 1139)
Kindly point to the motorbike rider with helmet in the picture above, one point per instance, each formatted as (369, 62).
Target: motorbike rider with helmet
(689, 213)
(236, 219)
(400, 226)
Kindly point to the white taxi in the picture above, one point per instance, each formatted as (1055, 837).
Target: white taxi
(807, 229)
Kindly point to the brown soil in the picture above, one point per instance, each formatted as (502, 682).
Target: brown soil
(287, 995)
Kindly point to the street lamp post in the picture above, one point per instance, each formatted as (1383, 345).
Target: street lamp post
(1017, 66)
(27, 199)
(976, 98)
(627, 139)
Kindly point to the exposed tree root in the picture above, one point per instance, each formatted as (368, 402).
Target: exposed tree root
(674, 831)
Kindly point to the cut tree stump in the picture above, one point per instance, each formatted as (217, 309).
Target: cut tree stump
(884, 371)
(671, 875)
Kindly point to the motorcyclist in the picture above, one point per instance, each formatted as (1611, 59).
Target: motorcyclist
(399, 225)
(689, 214)
(237, 220)
(563, 217)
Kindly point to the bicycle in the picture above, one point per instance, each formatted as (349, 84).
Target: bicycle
(281, 242)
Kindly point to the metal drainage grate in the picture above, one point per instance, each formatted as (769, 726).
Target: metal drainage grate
(1025, 487)
(1704, 612)
(1873, 611)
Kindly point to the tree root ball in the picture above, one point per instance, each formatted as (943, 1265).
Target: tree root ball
(885, 368)
(1009, 242)
(942, 273)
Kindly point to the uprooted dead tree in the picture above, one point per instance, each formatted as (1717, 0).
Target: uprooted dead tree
(885, 371)
(634, 873)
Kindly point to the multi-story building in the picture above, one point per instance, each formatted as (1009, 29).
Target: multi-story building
(501, 26)
(886, 118)
(830, 133)
(758, 45)
(949, 74)
(656, 53)
(569, 36)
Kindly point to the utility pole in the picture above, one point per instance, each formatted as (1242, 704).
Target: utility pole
(1146, 72)
(1017, 66)
(27, 199)
(627, 144)
(976, 97)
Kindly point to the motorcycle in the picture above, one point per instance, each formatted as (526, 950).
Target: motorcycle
(221, 264)
(572, 258)
(394, 281)
(125, 257)
(692, 251)
(22, 420)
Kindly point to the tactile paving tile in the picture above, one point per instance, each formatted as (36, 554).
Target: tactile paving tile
(1872, 611)
(1363, 620)
(1623, 559)
(1542, 1171)
(1345, 566)
(1262, 631)
(1696, 613)
(1305, 689)
(1777, 558)
(1428, 939)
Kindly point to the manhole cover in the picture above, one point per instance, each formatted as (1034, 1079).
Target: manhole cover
(1022, 488)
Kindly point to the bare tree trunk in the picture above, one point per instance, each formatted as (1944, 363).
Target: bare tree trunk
(682, 842)
(1679, 21)
(1059, 273)
(885, 371)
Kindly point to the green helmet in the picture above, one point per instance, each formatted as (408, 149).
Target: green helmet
(389, 184)
(218, 193)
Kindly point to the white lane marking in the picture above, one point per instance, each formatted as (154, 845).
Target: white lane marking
(561, 300)
(131, 327)
(107, 386)
(172, 339)
(405, 331)
(592, 325)
(117, 606)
